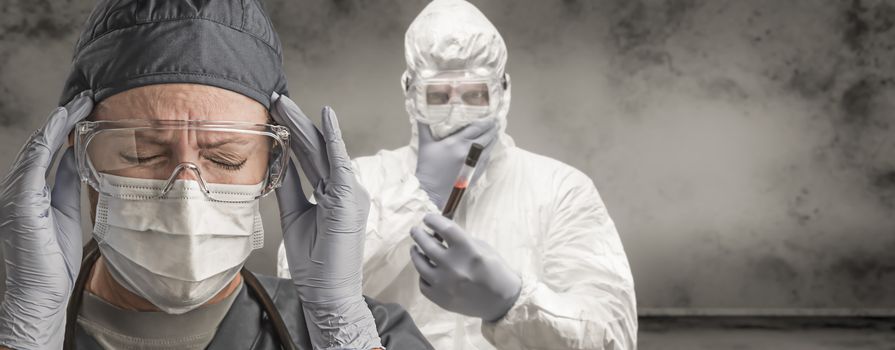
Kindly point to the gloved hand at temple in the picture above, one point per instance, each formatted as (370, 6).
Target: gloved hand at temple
(467, 276)
(439, 161)
(325, 242)
(41, 234)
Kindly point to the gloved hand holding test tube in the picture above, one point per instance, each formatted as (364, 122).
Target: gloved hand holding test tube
(462, 274)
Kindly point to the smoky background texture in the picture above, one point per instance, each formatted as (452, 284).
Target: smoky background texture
(744, 148)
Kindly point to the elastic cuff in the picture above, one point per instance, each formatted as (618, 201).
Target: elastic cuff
(529, 285)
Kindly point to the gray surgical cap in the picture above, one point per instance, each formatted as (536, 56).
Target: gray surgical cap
(229, 44)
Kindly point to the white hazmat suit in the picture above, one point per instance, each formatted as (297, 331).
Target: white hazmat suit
(545, 218)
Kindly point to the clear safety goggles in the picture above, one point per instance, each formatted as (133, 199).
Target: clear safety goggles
(209, 152)
(474, 98)
(470, 93)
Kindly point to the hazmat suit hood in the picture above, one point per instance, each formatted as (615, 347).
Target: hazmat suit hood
(453, 35)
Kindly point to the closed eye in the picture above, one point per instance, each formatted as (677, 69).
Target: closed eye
(140, 159)
(227, 164)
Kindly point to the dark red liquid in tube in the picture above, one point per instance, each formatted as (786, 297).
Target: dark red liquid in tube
(454, 200)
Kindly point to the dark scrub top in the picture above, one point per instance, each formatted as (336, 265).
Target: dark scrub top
(116, 328)
(246, 326)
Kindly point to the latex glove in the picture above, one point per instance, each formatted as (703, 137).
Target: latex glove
(439, 161)
(41, 234)
(467, 276)
(325, 242)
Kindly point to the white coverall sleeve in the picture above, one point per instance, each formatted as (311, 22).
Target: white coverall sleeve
(584, 298)
(398, 203)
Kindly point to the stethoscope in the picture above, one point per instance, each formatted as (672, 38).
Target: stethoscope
(91, 255)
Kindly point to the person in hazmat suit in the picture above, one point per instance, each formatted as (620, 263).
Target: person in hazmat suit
(181, 122)
(532, 259)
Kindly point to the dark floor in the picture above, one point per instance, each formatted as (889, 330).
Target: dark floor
(753, 333)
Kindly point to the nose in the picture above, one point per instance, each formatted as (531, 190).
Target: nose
(456, 99)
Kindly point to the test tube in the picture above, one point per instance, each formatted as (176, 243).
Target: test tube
(466, 172)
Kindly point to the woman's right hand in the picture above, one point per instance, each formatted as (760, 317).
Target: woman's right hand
(41, 234)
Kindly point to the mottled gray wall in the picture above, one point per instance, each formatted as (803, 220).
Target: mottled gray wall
(744, 148)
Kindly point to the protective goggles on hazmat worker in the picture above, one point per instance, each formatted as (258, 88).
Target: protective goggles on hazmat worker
(450, 100)
(169, 105)
(531, 259)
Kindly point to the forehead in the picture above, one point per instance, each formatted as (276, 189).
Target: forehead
(181, 102)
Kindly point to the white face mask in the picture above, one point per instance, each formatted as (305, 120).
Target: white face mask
(454, 116)
(181, 250)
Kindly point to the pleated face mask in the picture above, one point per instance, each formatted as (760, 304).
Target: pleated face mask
(180, 249)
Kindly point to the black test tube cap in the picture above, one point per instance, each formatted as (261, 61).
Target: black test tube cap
(475, 150)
